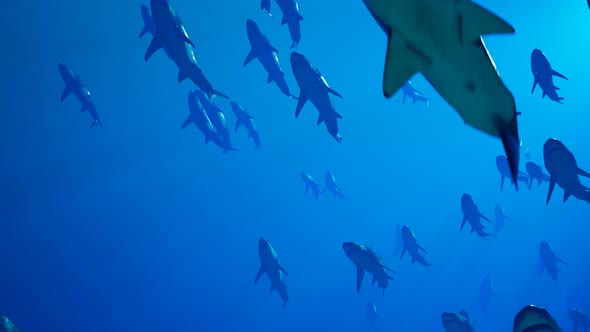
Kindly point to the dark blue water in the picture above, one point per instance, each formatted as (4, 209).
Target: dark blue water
(140, 226)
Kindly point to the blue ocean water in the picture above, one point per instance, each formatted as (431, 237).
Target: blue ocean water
(141, 226)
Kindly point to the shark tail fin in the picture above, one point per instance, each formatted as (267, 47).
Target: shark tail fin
(509, 135)
(96, 123)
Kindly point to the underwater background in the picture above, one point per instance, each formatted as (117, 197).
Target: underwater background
(140, 226)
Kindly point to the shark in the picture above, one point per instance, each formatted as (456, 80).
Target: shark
(442, 39)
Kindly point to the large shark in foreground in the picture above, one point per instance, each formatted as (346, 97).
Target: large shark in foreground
(269, 264)
(366, 260)
(170, 34)
(314, 87)
(543, 75)
(442, 40)
(564, 171)
(266, 54)
(535, 319)
(75, 85)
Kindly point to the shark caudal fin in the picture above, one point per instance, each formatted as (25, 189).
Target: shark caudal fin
(509, 135)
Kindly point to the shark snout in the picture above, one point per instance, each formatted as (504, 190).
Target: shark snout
(297, 57)
(552, 144)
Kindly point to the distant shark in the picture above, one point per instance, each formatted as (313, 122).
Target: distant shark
(442, 40)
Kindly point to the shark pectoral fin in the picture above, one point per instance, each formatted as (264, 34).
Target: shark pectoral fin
(332, 91)
(583, 173)
(535, 82)
(259, 274)
(251, 56)
(544, 94)
(561, 260)
(238, 123)
(403, 253)
(554, 73)
(475, 21)
(388, 269)
(299, 17)
(566, 195)
(300, 102)
(551, 187)
(463, 222)
(484, 217)
(338, 116)
(188, 121)
(269, 79)
(401, 63)
(404, 100)
(283, 269)
(502, 182)
(186, 38)
(360, 273)
(65, 93)
(155, 45)
(424, 250)
(374, 280)
(320, 119)
(144, 31)
(284, 20)
(182, 75)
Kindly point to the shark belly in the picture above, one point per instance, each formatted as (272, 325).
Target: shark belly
(468, 81)
(564, 170)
